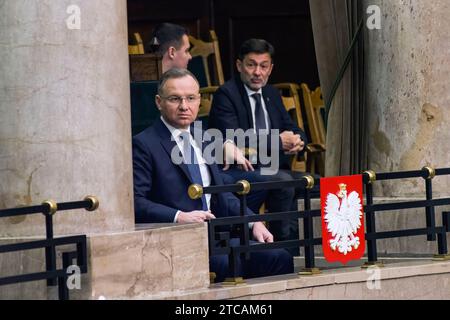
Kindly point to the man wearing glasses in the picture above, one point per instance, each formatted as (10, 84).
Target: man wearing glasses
(161, 181)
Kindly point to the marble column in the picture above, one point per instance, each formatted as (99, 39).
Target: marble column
(408, 92)
(65, 113)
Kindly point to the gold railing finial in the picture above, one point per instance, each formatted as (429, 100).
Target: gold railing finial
(372, 175)
(53, 206)
(94, 203)
(431, 172)
(309, 182)
(245, 187)
(195, 191)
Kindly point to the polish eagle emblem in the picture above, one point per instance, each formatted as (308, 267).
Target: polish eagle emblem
(343, 219)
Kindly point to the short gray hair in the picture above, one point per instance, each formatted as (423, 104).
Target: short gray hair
(174, 73)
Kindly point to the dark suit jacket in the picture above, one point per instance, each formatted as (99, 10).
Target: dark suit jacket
(161, 187)
(231, 109)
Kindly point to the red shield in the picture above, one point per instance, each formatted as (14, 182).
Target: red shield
(342, 218)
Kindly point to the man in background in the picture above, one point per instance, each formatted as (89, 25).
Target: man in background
(171, 42)
(247, 102)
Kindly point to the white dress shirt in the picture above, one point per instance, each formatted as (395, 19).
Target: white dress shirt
(204, 171)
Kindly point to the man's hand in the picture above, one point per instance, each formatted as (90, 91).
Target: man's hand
(194, 216)
(233, 154)
(291, 143)
(298, 145)
(260, 233)
(286, 140)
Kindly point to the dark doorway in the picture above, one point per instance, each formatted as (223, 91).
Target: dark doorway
(284, 23)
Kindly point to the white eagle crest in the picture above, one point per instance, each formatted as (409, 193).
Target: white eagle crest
(343, 219)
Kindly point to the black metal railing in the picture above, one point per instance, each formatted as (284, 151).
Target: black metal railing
(431, 230)
(238, 226)
(53, 275)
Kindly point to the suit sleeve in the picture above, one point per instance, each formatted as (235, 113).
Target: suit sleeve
(147, 211)
(224, 115)
(287, 122)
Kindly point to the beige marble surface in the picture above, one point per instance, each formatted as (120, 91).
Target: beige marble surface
(408, 280)
(157, 260)
(171, 262)
(408, 92)
(65, 114)
(166, 260)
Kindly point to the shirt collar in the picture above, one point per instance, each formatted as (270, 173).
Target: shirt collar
(251, 92)
(175, 132)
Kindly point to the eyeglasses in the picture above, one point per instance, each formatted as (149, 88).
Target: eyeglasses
(177, 100)
(252, 66)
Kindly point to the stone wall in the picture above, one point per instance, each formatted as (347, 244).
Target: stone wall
(408, 92)
(65, 114)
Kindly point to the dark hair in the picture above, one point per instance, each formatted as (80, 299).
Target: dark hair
(166, 35)
(255, 46)
(173, 73)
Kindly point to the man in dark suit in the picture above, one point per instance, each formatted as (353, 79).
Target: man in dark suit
(247, 102)
(167, 159)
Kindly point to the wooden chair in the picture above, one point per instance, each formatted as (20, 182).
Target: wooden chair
(143, 66)
(206, 94)
(319, 108)
(291, 102)
(136, 46)
(199, 64)
(313, 105)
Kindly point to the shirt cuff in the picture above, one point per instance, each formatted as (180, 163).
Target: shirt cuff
(176, 216)
(228, 141)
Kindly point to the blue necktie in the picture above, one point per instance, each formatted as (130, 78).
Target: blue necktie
(260, 119)
(191, 161)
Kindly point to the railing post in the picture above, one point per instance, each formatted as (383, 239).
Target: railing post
(370, 220)
(67, 260)
(429, 210)
(233, 265)
(82, 255)
(446, 220)
(442, 239)
(308, 230)
(234, 257)
(244, 234)
(50, 253)
(442, 243)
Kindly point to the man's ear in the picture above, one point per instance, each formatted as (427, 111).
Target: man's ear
(158, 102)
(171, 52)
(239, 65)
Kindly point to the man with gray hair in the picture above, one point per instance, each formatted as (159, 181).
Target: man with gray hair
(248, 102)
(160, 185)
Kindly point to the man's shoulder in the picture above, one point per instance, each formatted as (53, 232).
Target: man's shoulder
(270, 90)
(229, 87)
(146, 136)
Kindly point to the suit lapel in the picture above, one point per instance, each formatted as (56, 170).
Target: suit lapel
(245, 100)
(169, 145)
(271, 110)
